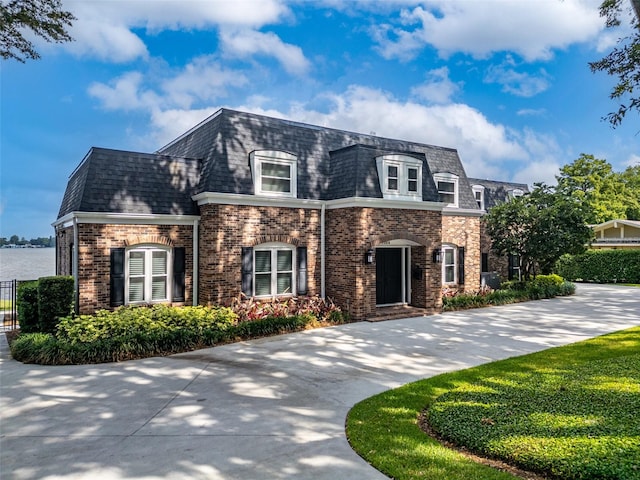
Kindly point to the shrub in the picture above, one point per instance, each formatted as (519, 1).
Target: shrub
(55, 300)
(324, 310)
(601, 266)
(27, 304)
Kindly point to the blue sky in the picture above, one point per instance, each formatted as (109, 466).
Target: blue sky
(506, 82)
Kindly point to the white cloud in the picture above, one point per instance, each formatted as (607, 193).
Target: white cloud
(125, 93)
(103, 29)
(522, 84)
(633, 160)
(245, 43)
(480, 28)
(204, 79)
(438, 88)
(532, 112)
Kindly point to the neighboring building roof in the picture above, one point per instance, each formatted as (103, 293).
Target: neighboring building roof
(614, 224)
(496, 192)
(115, 181)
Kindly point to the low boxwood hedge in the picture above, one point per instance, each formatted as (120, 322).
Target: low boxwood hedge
(601, 266)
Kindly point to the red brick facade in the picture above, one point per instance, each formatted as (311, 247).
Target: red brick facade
(464, 232)
(97, 240)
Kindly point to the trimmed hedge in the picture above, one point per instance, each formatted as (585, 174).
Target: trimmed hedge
(601, 266)
(542, 286)
(139, 332)
(55, 300)
(27, 305)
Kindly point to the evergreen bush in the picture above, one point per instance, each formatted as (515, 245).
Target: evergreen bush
(27, 305)
(601, 266)
(55, 300)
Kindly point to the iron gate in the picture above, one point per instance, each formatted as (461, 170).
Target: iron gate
(8, 305)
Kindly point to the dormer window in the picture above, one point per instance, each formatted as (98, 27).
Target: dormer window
(400, 177)
(274, 173)
(447, 185)
(517, 193)
(478, 193)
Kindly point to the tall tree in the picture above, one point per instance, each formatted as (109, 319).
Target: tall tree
(592, 181)
(539, 228)
(44, 18)
(624, 60)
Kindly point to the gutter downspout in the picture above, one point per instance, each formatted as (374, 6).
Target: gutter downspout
(76, 257)
(322, 255)
(195, 268)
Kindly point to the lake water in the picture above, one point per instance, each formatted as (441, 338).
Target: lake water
(27, 263)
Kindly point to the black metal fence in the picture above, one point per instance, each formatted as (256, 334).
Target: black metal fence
(8, 305)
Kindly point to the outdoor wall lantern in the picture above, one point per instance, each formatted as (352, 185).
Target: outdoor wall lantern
(436, 256)
(368, 256)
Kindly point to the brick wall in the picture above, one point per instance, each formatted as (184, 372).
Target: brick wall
(95, 244)
(351, 231)
(225, 229)
(497, 263)
(465, 232)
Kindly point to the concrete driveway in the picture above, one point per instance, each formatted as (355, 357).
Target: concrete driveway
(265, 409)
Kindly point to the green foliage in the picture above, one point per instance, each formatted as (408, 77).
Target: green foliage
(539, 228)
(542, 286)
(248, 308)
(623, 61)
(569, 412)
(609, 195)
(27, 304)
(43, 18)
(55, 300)
(138, 332)
(601, 266)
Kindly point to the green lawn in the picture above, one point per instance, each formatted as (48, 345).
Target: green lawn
(568, 412)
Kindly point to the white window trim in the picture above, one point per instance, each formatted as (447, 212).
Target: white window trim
(450, 178)
(258, 157)
(148, 276)
(273, 248)
(479, 189)
(403, 163)
(516, 192)
(455, 264)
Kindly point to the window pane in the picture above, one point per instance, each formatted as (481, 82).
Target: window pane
(136, 263)
(448, 256)
(446, 187)
(447, 198)
(285, 260)
(136, 289)
(392, 171)
(413, 185)
(159, 266)
(275, 170)
(393, 184)
(284, 283)
(263, 284)
(263, 261)
(276, 185)
(159, 288)
(449, 274)
(413, 174)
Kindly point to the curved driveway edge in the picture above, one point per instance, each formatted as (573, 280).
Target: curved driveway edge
(264, 409)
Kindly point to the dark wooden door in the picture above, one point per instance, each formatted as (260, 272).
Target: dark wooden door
(388, 275)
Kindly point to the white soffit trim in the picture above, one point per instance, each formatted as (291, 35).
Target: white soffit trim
(254, 200)
(365, 202)
(462, 212)
(124, 219)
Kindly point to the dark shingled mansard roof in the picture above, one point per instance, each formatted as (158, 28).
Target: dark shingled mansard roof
(214, 157)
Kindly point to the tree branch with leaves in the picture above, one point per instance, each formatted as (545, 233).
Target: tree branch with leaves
(43, 18)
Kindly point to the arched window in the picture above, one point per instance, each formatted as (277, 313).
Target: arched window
(447, 185)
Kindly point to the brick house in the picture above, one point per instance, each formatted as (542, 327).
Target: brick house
(244, 203)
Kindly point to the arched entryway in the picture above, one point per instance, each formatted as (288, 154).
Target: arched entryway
(394, 272)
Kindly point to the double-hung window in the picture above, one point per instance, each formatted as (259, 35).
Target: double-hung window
(147, 275)
(447, 185)
(274, 173)
(273, 270)
(449, 267)
(400, 177)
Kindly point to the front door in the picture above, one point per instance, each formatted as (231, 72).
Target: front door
(389, 276)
